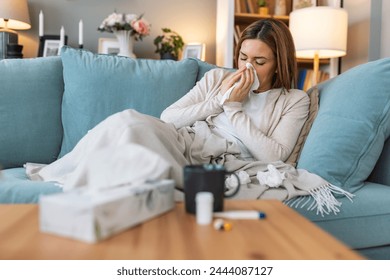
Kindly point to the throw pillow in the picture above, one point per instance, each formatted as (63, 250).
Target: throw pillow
(313, 110)
(97, 86)
(352, 124)
(30, 110)
(203, 67)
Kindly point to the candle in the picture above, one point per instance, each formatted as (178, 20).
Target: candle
(62, 39)
(81, 33)
(40, 23)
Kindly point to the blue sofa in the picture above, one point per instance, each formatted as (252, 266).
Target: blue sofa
(48, 104)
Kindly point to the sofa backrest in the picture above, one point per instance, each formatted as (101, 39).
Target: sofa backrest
(30, 110)
(203, 67)
(35, 111)
(97, 86)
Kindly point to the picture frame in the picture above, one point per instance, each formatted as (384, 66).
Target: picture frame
(299, 4)
(194, 50)
(49, 45)
(108, 46)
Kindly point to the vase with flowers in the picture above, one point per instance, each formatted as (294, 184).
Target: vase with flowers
(169, 44)
(127, 28)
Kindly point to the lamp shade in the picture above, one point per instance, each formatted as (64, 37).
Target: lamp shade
(319, 30)
(16, 12)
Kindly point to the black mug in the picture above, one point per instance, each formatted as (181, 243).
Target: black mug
(206, 178)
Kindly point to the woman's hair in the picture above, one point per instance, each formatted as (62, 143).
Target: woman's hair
(277, 36)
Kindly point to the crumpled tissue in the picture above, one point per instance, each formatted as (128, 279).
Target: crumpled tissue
(231, 181)
(272, 178)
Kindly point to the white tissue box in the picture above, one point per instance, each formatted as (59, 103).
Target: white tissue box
(91, 217)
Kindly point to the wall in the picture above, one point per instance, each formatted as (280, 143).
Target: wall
(385, 43)
(380, 30)
(195, 21)
(359, 14)
(359, 25)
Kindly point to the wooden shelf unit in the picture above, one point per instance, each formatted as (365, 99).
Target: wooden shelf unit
(230, 19)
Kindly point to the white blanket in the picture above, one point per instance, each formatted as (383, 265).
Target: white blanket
(109, 167)
(129, 147)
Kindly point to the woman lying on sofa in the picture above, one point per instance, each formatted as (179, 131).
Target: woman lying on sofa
(245, 120)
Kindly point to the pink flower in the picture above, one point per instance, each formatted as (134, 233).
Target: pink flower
(141, 26)
(137, 25)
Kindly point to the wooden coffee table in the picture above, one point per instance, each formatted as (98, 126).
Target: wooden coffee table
(283, 235)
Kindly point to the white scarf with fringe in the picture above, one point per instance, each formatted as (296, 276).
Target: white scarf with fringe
(281, 181)
(296, 187)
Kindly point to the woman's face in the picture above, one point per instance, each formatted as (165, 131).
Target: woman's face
(262, 58)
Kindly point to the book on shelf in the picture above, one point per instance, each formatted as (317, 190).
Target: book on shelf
(241, 6)
(305, 78)
(301, 78)
(246, 6)
(237, 6)
(251, 6)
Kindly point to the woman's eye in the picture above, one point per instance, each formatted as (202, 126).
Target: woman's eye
(243, 58)
(260, 63)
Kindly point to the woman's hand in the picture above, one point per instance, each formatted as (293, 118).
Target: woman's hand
(231, 80)
(241, 90)
(244, 79)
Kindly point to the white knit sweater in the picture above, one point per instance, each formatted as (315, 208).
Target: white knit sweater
(272, 138)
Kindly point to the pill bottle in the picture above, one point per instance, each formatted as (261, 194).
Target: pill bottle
(204, 208)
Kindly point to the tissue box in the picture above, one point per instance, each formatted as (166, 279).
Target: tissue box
(93, 216)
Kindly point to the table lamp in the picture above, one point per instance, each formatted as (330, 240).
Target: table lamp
(319, 32)
(13, 16)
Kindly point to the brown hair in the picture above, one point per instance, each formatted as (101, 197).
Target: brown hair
(277, 36)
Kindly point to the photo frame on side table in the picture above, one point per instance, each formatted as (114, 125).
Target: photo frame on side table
(108, 46)
(299, 4)
(194, 50)
(49, 45)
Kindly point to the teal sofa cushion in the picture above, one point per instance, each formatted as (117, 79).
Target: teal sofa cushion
(30, 110)
(352, 124)
(97, 86)
(15, 187)
(203, 67)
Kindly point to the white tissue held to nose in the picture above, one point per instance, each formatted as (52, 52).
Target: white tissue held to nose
(255, 85)
(256, 82)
